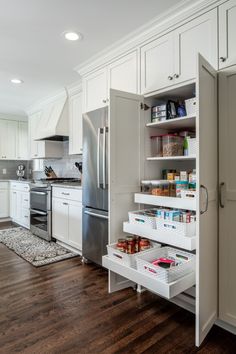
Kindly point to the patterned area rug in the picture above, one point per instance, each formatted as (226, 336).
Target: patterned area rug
(33, 249)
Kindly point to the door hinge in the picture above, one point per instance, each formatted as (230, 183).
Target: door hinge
(144, 106)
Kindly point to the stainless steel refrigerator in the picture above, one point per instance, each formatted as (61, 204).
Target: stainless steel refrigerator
(95, 184)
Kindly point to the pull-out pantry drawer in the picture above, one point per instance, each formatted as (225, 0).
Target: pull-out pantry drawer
(167, 290)
(67, 193)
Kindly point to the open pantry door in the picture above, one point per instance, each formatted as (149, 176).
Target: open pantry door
(207, 210)
(126, 127)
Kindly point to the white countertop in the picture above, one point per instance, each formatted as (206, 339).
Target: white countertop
(16, 180)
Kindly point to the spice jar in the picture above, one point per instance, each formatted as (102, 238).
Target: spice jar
(144, 244)
(130, 244)
(121, 245)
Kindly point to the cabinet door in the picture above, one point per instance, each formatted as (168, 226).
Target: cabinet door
(207, 204)
(75, 122)
(3, 139)
(12, 137)
(95, 90)
(227, 30)
(4, 203)
(157, 64)
(13, 204)
(75, 224)
(227, 221)
(60, 219)
(123, 74)
(23, 141)
(36, 147)
(197, 36)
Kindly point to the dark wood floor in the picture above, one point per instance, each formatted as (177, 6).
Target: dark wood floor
(65, 308)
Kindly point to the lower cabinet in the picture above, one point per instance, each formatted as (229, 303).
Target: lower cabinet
(4, 200)
(67, 218)
(19, 203)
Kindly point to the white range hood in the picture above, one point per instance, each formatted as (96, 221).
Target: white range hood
(54, 121)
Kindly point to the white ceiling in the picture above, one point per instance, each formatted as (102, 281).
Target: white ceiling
(33, 49)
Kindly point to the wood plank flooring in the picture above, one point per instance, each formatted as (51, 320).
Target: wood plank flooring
(65, 308)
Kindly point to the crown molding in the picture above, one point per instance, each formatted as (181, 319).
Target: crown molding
(74, 88)
(184, 12)
(8, 116)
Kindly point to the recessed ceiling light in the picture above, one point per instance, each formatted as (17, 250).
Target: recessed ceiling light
(72, 36)
(17, 81)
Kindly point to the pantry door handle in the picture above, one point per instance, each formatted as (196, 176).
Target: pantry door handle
(220, 194)
(206, 192)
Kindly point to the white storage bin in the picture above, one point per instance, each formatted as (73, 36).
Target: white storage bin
(144, 264)
(191, 106)
(192, 146)
(182, 229)
(137, 217)
(127, 259)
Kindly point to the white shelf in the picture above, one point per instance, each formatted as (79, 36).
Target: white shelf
(187, 243)
(171, 202)
(167, 290)
(176, 123)
(172, 158)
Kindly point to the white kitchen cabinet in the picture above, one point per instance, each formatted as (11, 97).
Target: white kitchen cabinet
(4, 200)
(157, 64)
(20, 203)
(227, 30)
(123, 73)
(67, 216)
(75, 124)
(8, 139)
(23, 145)
(95, 90)
(227, 221)
(171, 59)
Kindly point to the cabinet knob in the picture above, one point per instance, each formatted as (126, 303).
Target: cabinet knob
(170, 77)
(222, 59)
(65, 203)
(104, 101)
(176, 76)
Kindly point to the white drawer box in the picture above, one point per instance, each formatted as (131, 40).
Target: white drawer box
(67, 193)
(25, 217)
(3, 185)
(25, 200)
(19, 186)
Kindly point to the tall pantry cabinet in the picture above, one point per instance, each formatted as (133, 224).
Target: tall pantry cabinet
(123, 192)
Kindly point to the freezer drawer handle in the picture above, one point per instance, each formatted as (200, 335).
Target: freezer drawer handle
(206, 192)
(220, 195)
(97, 215)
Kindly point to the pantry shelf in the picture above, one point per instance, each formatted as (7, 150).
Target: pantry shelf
(178, 158)
(167, 290)
(171, 202)
(187, 243)
(176, 123)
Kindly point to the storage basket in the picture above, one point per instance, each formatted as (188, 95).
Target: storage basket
(187, 265)
(188, 194)
(176, 228)
(191, 106)
(127, 259)
(140, 217)
(192, 146)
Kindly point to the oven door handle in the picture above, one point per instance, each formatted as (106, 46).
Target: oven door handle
(41, 193)
(38, 212)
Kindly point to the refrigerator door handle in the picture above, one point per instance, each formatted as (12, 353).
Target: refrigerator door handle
(104, 159)
(97, 215)
(98, 158)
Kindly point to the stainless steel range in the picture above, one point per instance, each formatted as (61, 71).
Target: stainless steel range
(41, 206)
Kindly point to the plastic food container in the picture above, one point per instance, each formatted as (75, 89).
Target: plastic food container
(160, 188)
(146, 186)
(156, 145)
(172, 145)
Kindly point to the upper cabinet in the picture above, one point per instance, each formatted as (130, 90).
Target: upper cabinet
(95, 90)
(171, 59)
(13, 140)
(122, 74)
(75, 124)
(227, 30)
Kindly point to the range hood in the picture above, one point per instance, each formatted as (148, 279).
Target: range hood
(54, 121)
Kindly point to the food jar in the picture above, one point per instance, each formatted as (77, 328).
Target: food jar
(121, 245)
(156, 145)
(144, 244)
(131, 241)
(145, 186)
(172, 145)
(172, 189)
(160, 188)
